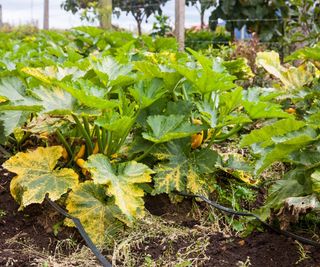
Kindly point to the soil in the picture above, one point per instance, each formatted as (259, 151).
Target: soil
(34, 226)
(27, 231)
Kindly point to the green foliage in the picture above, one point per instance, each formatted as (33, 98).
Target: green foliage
(262, 17)
(302, 26)
(181, 169)
(37, 177)
(140, 9)
(200, 40)
(161, 27)
(202, 6)
(125, 118)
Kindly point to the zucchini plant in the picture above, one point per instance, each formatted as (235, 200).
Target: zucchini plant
(122, 120)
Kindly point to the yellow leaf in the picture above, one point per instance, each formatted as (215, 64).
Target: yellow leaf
(121, 183)
(37, 176)
(97, 213)
(36, 73)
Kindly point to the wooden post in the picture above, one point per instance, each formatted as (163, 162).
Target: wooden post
(46, 15)
(179, 23)
(105, 13)
(1, 23)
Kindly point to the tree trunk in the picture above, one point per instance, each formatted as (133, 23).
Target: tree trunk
(1, 16)
(139, 27)
(202, 19)
(105, 14)
(46, 15)
(180, 23)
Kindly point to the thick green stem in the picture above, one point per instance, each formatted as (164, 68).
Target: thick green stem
(108, 148)
(97, 129)
(103, 139)
(65, 144)
(232, 132)
(184, 92)
(85, 134)
(225, 136)
(146, 153)
(86, 124)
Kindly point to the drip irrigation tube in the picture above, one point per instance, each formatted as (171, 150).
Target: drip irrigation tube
(248, 214)
(82, 232)
(104, 261)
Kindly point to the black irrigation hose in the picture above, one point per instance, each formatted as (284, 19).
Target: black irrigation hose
(105, 263)
(82, 232)
(247, 214)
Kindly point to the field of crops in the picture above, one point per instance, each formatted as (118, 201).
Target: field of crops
(132, 137)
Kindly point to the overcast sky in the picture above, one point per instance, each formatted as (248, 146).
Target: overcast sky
(24, 11)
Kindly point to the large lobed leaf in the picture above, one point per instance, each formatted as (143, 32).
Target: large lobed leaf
(182, 170)
(98, 213)
(122, 183)
(292, 78)
(166, 128)
(37, 176)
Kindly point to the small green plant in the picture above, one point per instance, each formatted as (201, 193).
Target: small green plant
(161, 26)
(3, 213)
(303, 253)
(247, 263)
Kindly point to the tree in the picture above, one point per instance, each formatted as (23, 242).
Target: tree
(140, 9)
(91, 9)
(202, 6)
(264, 17)
(302, 27)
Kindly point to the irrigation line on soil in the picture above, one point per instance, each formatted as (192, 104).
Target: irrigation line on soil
(247, 214)
(82, 232)
(105, 263)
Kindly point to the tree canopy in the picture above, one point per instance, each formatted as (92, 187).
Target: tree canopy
(202, 6)
(140, 9)
(263, 17)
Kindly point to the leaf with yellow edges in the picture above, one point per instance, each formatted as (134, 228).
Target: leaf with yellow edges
(37, 176)
(292, 77)
(121, 182)
(98, 213)
(181, 169)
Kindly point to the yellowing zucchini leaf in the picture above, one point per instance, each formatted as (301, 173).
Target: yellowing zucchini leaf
(122, 182)
(98, 213)
(292, 78)
(37, 177)
(38, 74)
(181, 169)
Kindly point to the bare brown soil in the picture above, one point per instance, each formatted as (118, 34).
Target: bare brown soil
(34, 226)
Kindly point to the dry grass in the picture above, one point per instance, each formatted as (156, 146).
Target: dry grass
(80, 256)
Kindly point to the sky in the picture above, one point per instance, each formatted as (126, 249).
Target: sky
(25, 11)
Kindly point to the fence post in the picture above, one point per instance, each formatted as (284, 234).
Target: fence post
(46, 15)
(105, 11)
(179, 22)
(1, 23)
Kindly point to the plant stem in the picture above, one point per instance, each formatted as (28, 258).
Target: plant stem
(85, 134)
(86, 124)
(184, 92)
(65, 143)
(97, 129)
(146, 153)
(232, 132)
(103, 139)
(225, 136)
